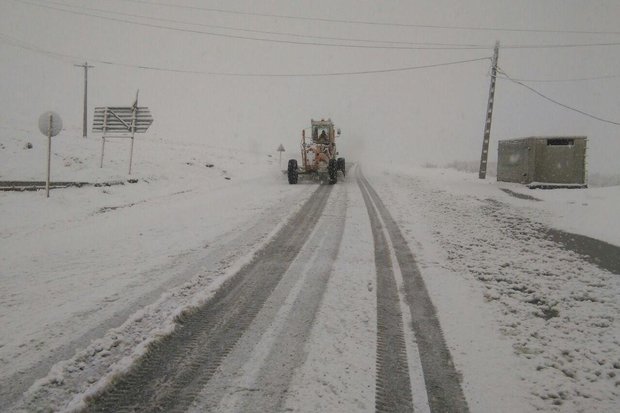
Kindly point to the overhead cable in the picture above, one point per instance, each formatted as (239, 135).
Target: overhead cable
(372, 23)
(531, 89)
(240, 37)
(20, 44)
(12, 41)
(402, 46)
(269, 32)
(361, 72)
(576, 79)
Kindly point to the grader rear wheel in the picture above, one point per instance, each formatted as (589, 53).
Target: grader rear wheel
(341, 166)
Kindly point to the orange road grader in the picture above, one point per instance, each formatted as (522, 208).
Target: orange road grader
(318, 154)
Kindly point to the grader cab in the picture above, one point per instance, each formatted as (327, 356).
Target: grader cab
(318, 154)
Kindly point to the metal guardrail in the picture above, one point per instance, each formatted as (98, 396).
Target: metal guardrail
(20, 186)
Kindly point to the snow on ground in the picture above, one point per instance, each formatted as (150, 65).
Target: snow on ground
(86, 259)
(531, 326)
(490, 270)
(592, 212)
(339, 374)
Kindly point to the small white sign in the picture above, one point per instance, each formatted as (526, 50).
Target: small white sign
(50, 125)
(48, 128)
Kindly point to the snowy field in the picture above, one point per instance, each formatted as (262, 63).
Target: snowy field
(486, 261)
(91, 275)
(86, 259)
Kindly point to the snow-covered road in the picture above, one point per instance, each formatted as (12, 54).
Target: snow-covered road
(244, 349)
(527, 319)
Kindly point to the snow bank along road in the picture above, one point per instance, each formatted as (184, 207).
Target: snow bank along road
(240, 351)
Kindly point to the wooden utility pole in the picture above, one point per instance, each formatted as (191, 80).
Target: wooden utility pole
(86, 67)
(487, 125)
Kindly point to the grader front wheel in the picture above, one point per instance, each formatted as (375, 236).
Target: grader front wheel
(332, 170)
(293, 173)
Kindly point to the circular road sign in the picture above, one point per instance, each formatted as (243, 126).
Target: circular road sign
(44, 123)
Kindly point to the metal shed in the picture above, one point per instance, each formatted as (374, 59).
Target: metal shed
(543, 161)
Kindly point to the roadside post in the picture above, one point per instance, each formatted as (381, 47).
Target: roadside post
(50, 124)
(281, 149)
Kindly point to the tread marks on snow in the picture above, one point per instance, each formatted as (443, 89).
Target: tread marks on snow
(174, 369)
(443, 385)
(393, 384)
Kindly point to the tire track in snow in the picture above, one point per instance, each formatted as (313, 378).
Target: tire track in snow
(176, 368)
(393, 384)
(223, 252)
(442, 380)
(256, 375)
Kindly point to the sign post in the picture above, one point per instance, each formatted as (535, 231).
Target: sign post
(50, 124)
(281, 149)
(134, 110)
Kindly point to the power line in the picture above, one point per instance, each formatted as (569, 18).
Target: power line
(363, 72)
(531, 89)
(578, 79)
(30, 47)
(239, 37)
(559, 46)
(20, 44)
(439, 46)
(372, 23)
(281, 41)
(276, 33)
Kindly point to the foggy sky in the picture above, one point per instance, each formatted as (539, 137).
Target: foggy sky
(431, 115)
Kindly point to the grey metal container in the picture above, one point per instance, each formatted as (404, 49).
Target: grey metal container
(544, 161)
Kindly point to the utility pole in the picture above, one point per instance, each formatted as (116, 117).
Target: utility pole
(85, 66)
(487, 125)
